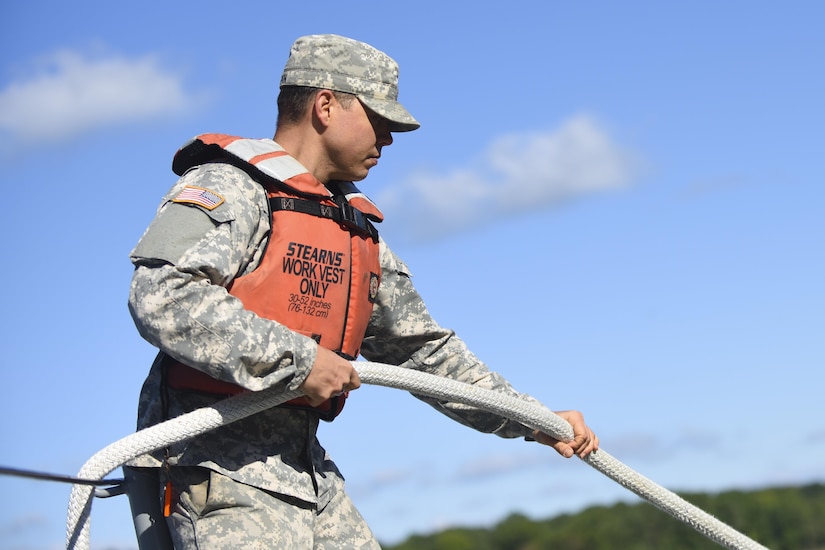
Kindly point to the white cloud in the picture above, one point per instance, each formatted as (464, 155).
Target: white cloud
(487, 467)
(72, 93)
(517, 173)
(384, 480)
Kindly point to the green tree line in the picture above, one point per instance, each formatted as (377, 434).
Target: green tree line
(787, 518)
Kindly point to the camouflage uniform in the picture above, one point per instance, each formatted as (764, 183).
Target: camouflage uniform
(179, 302)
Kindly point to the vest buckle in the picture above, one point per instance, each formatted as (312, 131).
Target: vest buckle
(352, 217)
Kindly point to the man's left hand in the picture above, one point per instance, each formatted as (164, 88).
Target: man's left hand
(584, 440)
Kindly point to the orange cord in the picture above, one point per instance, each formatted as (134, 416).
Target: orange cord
(167, 500)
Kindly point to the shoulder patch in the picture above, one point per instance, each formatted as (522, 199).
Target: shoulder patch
(199, 196)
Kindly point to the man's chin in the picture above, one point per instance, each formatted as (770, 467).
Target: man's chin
(360, 177)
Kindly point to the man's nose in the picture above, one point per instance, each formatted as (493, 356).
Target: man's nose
(383, 136)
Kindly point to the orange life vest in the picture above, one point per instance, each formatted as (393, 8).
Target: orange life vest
(320, 272)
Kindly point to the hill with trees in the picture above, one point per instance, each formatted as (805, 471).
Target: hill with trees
(788, 518)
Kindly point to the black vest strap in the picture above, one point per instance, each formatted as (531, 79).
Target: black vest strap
(351, 218)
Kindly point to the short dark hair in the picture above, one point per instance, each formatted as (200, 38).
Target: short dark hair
(293, 101)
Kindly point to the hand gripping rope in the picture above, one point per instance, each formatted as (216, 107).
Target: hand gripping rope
(240, 406)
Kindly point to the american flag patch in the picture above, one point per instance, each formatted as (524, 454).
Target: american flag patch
(200, 196)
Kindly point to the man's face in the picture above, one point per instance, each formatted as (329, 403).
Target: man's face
(354, 140)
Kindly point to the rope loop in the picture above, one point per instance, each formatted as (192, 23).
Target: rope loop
(240, 406)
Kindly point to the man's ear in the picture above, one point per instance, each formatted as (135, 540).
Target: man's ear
(322, 106)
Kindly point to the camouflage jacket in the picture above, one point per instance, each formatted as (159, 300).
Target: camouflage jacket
(179, 303)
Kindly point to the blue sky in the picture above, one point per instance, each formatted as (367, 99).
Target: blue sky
(618, 206)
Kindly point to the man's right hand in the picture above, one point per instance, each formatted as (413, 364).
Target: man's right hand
(331, 375)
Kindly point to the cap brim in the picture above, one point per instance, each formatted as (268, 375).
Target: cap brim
(400, 119)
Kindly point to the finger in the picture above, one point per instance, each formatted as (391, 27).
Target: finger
(584, 440)
(581, 446)
(354, 380)
(590, 444)
(561, 447)
(353, 384)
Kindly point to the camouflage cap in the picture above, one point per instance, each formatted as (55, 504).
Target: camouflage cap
(342, 64)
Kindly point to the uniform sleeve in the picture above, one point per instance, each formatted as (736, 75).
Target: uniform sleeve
(193, 249)
(402, 332)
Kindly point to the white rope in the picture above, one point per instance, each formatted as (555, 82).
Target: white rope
(529, 414)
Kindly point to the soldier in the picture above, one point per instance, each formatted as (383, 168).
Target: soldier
(264, 267)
